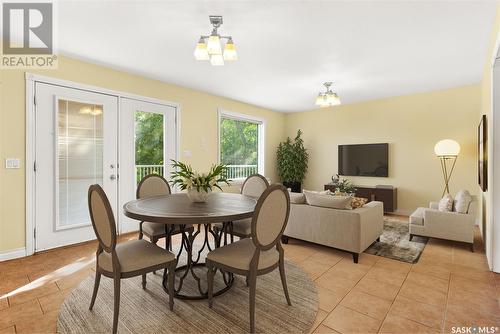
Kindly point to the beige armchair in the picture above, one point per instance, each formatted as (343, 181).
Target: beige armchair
(127, 259)
(430, 222)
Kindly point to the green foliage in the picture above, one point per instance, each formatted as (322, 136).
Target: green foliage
(184, 176)
(343, 185)
(292, 158)
(239, 142)
(148, 138)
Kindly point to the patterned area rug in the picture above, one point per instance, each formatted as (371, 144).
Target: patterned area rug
(395, 242)
(146, 311)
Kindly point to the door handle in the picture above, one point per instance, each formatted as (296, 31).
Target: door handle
(112, 177)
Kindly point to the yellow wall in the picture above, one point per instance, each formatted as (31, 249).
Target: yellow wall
(198, 126)
(411, 125)
(486, 109)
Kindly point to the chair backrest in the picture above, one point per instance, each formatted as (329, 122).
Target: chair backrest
(152, 185)
(254, 185)
(102, 217)
(270, 217)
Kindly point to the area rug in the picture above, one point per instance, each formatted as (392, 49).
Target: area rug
(146, 311)
(395, 242)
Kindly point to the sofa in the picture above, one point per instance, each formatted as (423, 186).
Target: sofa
(451, 225)
(351, 230)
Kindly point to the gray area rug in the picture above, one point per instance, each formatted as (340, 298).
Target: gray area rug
(146, 311)
(395, 242)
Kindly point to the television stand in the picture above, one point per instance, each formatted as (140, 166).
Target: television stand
(386, 194)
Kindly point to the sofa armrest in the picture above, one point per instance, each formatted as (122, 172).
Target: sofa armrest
(434, 205)
(371, 223)
(449, 225)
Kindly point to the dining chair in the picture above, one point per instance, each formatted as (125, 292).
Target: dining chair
(261, 253)
(253, 186)
(127, 259)
(155, 185)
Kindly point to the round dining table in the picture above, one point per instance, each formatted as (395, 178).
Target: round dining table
(177, 210)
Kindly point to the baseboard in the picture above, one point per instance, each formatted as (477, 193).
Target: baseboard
(12, 254)
(402, 212)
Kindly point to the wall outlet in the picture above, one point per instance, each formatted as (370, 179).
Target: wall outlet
(12, 163)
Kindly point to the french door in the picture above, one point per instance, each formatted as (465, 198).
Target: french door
(75, 146)
(147, 144)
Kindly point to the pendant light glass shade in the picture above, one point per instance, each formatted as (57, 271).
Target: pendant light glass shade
(200, 52)
(320, 100)
(332, 99)
(216, 60)
(213, 45)
(328, 98)
(230, 51)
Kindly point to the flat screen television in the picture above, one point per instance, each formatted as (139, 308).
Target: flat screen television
(364, 160)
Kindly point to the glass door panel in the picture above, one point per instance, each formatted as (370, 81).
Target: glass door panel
(149, 144)
(79, 157)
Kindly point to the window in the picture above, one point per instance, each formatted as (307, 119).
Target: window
(241, 144)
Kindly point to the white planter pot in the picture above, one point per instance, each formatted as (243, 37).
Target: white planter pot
(198, 196)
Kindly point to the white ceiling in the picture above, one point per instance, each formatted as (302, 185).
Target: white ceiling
(287, 49)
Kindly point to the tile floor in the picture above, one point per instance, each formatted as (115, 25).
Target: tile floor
(448, 287)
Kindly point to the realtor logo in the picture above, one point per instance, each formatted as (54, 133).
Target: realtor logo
(28, 35)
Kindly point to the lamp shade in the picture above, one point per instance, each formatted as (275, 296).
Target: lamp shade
(213, 45)
(447, 148)
(230, 51)
(200, 52)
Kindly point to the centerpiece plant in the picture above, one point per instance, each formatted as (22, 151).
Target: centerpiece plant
(198, 185)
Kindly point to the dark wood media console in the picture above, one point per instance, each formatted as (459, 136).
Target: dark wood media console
(387, 195)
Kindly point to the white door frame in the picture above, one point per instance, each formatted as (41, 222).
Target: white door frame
(31, 79)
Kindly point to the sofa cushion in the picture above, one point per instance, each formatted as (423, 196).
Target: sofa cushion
(328, 201)
(446, 203)
(358, 202)
(417, 217)
(462, 201)
(297, 198)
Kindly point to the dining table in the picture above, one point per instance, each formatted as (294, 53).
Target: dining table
(212, 221)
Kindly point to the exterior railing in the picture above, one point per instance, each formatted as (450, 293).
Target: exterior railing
(240, 171)
(143, 170)
(233, 171)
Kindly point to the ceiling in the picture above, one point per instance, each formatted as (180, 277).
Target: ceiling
(287, 49)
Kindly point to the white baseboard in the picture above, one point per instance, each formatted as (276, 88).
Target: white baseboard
(402, 212)
(12, 254)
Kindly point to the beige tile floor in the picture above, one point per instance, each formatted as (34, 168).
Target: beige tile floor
(449, 286)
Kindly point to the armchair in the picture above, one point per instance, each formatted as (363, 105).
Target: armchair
(430, 222)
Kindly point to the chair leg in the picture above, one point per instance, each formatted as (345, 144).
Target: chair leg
(355, 257)
(140, 231)
(471, 245)
(171, 280)
(155, 241)
(116, 310)
(210, 283)
(253, 286)
(169, 243)
(144, 281)
(96, 287)
(283, 281)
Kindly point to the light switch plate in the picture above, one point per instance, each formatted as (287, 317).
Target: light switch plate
(12, 163)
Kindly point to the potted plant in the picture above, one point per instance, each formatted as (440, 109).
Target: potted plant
(198, 186)
(343, 186)
(292, 158)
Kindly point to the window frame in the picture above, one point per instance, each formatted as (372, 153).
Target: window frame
(261, 124)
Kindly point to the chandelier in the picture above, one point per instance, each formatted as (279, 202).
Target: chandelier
(328, 98)
(210, 47)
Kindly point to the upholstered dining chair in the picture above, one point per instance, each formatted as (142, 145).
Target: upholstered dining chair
(127, 259)
(155, 185)
(259, 254)
(253, 186)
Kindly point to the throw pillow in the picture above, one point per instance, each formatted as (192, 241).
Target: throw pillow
(446, 203)
(328, 201)
(462, 201)
(297, 198)
(358, 202)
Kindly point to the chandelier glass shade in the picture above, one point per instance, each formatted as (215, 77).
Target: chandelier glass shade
(211, 47)
(328, 98)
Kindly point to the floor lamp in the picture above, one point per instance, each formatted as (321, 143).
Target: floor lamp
(447, 151)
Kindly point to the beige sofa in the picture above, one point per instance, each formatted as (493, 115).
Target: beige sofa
(430, 222)
(349, 230)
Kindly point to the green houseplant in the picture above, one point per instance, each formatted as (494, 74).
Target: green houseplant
(198, 186)
(292, 159)
(343, 186)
